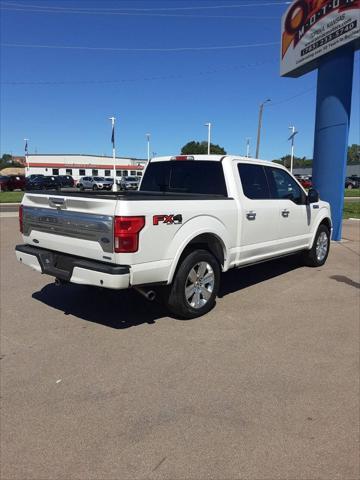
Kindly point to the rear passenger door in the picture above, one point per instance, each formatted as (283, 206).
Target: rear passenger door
(259, 215)
(294, 215)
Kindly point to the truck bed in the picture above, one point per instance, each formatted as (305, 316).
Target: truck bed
(129, 195)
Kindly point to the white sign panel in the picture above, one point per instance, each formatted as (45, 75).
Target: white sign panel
(312, 28)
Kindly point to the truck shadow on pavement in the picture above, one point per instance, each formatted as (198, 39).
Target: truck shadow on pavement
(127, 308)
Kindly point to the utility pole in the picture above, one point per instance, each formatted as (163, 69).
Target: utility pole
(114, 187)
(292, 137)
(259, 126)
(209, 135)
(148, 146)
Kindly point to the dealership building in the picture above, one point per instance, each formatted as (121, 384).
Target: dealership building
(79, 165)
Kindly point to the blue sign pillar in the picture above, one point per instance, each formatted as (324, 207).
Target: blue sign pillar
(333, 105)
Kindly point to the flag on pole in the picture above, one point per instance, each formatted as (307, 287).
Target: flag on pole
(26, 147)
(113, 136)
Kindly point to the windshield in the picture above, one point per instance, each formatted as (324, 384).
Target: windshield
(190, 176)
(99, 179)
(131, 179)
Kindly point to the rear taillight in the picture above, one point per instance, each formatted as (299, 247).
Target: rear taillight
(21, 219)
(126, 233)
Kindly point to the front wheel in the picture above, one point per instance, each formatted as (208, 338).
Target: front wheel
(95, 187)
(317, 255)
(195, 285)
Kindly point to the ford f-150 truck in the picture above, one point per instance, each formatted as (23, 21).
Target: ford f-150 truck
(192, 218)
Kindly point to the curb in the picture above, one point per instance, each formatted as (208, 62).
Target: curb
(10, 204)
(354, 219)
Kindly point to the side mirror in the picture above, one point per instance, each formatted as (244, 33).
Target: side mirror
(313, 196)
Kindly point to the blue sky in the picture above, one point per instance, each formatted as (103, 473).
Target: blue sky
(68, 94)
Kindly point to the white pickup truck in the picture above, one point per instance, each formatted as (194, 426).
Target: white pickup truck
(192, 218)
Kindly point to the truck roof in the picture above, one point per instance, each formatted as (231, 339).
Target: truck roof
(216, 158)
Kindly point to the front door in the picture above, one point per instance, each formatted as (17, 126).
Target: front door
(294, 215)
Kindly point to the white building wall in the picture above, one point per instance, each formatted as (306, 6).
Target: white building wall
(83, 165)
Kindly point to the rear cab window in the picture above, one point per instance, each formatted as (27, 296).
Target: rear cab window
(254, 182)
(190, 176)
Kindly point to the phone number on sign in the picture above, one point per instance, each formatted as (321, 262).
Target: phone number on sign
(338, 33)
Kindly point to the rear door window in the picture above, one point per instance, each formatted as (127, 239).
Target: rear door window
(254, 183)
(188, 176)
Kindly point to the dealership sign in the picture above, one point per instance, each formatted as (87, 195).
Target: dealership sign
(312, 28)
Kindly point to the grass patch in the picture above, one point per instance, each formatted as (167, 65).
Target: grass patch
(11, 197)
(351, 210)
(354, 192)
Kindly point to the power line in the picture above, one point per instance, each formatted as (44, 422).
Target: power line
(130, 80)
(166, 9)
(285, 100)
(146, 12)
(140, 50)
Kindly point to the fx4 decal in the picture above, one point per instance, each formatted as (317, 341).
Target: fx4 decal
(167, 219)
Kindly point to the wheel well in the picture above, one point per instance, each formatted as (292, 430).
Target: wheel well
(206, 241)
(327, 223)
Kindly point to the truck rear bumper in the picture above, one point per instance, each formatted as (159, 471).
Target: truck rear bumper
(74, 269)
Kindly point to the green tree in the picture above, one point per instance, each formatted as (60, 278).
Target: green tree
(354, 154)
(201, 148)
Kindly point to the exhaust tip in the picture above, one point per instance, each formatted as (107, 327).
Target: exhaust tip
(151, 295)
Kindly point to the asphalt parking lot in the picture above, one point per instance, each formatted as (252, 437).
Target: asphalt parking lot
(103, 385)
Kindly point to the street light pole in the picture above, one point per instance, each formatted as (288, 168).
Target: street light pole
(248, 147)
(114, 187)
(26, 154)
(148, 146)
(209, 135)
(259, 126)
(292, 138)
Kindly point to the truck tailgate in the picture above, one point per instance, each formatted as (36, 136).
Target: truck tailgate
(80, 226)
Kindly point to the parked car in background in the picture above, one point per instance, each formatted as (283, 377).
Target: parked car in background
(16, 182)
(352, 182)
(3, 183)
(129, 183)
(306, 183)
(44, 182)
(67, 181)
(94, 183)
(12, 182)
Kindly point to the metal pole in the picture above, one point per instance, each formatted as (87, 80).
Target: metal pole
(292, 148)
(292, 138)
(26, 154)
(209, 136)
(247, 147)
(148, 146)
(259, 127)
(114, 187)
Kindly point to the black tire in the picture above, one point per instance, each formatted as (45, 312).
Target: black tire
(95, 188)
(81, 187)
(177, 302)
(310, 257)
(349, 187)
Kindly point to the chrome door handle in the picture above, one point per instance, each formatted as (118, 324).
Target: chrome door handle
(285, 213)
(251, 215)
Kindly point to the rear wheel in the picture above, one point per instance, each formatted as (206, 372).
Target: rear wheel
(317, 255)
(195, 285)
